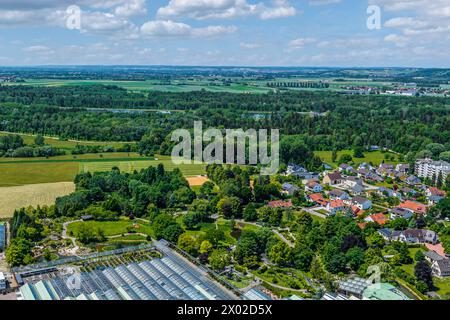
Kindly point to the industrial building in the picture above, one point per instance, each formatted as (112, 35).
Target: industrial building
(170, 277)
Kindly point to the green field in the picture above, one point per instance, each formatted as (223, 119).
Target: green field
(376, 157)
(31, 173)
(156, 85)
(222, 224)
(64, 144)
(111, 228)
(17, 172)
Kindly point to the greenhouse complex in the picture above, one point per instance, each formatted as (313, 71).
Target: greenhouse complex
(141, 273)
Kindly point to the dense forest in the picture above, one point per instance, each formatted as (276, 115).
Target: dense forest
(320, 120)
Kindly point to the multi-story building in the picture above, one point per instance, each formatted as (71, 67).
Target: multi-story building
(427, 168)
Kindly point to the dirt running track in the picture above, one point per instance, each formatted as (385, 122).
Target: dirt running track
(196, 181)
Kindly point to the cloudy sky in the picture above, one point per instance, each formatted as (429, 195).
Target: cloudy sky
(412, 33)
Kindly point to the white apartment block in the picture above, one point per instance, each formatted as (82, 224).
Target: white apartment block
(427, 168)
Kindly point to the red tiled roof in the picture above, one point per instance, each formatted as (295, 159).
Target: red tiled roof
(357, 211)
(362, 225)
(280, 204)
(436, 247)
(336, 203)
(436, 192)
(414, 206)
(316, 197)
(379, 218)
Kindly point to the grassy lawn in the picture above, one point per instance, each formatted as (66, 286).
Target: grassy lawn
(285, 277)
(443, 286)
(376, 157)
(111, 228)
(222, 224)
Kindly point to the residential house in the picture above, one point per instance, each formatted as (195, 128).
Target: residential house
(400, 213)
(360, 202)
(385, 169)
(289, 189)
(413, 206)
(441, 268)
(432, 256)
(418, 236)
(386, 192)
(379, 218)
(333, 178)
(434, 195)
(402, 167)
(408, 192)
(313, 186)
(345, 167)
(389, 234)
(338, 194)
(327, 166)
(293, 168)
(300, 172)
(280, 204)
(318, 199)
(412, 180)
(357, 189)
(335, 206)
(350, 182)
(357, 211)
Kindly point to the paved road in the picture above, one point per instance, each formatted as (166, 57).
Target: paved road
(315, 213)
(289, 243)
(64, 235)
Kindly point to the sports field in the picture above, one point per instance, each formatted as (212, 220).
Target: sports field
(12, 198)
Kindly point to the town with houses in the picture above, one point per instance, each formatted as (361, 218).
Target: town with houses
(351, 191)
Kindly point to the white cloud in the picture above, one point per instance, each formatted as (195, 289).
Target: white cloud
(225, 9)
(245, 45)
(323, 2)
(163, 28)
(430, 17)
(38, 48)
(399, 41)
(131, 8)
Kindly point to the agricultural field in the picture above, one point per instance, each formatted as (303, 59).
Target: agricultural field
(155, 85)
(12, 198)
(17, 172)
(130, 166)
(376, 157)
(64, 144)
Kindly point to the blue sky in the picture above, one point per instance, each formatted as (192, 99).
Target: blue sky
(413, 33)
